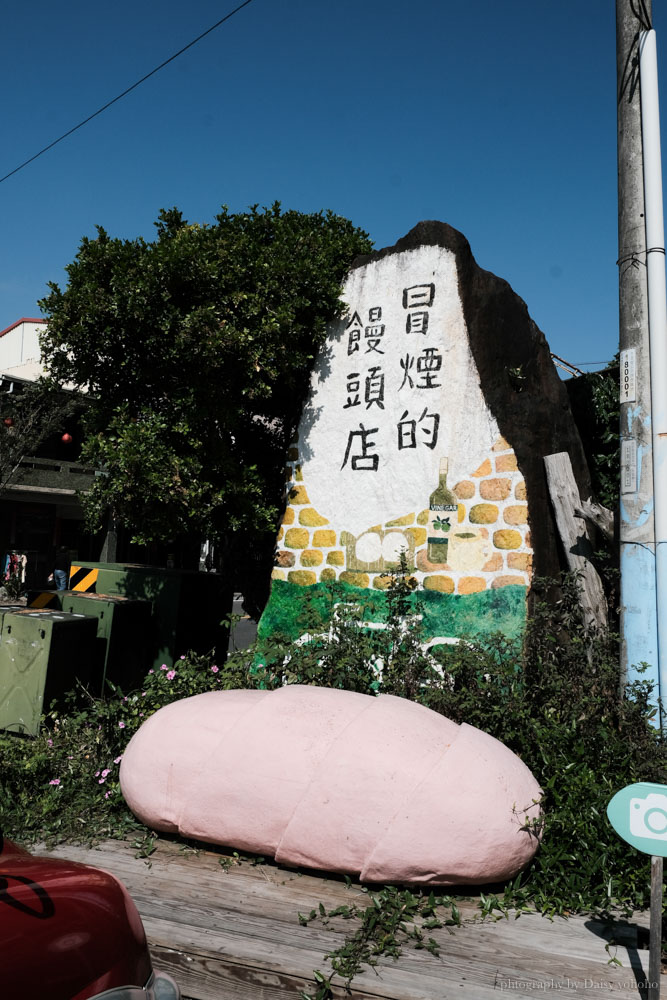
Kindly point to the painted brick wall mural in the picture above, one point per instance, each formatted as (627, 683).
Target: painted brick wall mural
(431, 407)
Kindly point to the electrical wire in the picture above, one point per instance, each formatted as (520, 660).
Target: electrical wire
(127, 90)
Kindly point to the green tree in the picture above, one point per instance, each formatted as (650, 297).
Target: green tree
(195, 351)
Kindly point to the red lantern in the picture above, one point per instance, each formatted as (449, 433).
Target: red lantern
(66, 438)
(8, 422)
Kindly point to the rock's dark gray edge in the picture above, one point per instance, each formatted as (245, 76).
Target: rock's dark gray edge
(518, 379)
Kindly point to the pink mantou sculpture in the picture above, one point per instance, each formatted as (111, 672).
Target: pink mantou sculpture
(379, 787)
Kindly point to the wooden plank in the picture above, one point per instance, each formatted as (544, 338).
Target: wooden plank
(236, 934)
(574, 535)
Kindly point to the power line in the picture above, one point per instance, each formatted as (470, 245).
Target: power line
(128, 90)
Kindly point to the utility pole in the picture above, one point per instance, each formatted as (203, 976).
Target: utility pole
(639, 643)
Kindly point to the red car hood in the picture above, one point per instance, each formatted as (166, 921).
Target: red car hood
(68, 931)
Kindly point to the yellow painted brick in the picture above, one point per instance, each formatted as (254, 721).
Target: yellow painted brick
(444, 584)
(484, 469)
(310, 517)
(303, 577)
(507, 581)
(506, 463)
(520, 560)
(288, 516)
(484, 513)
(502, 445)
(284, 559)
(324, 538)
(311, 557)
(356, 579)
(507, 539)
(336, 558)
(281, 532)
(495, 489)
(381, 582)
(298, 495)
(398, 521)
(418, 534)
(327, 574)
(520, 491)
(493, 564)
(422, 517)
(298, 475)
(516, 514)
(296, 538)
(278, 574)
(465, 490)
(471, 584)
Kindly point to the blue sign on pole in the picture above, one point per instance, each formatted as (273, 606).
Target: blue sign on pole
(638, 813)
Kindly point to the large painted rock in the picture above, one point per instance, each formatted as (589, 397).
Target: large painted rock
(334, 780)
(431, 407)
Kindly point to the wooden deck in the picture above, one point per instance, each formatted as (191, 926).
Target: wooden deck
(234, 935)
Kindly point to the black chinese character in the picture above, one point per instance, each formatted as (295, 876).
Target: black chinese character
(352, 390)
(362, 461)
(374, 335)
(417, 322)
(428, 364)
(374, 392)
(374, 314)
(418, 295)
(407, 430)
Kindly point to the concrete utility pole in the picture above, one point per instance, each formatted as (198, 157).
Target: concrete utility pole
(637, 530)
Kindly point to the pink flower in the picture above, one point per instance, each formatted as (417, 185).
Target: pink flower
(143, 694)
(49, 743)
(164, 667)
(101, 781)
(54, 781)
(215, 669)
(117, 760)
(170, 675)
(107, 770)
(97, 774)
(121, 725)
(182, 656)
(151, 671)
(107, 794)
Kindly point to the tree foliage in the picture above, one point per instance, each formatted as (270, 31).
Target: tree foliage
(30, 412)
(195, 350)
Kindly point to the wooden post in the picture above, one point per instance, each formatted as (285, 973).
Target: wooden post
(574, 536)
(655, 939)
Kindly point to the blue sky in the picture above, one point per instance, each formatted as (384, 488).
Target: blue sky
(498, 118)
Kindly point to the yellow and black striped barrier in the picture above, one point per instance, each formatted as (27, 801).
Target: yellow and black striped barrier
(44, 599)
(83, 579)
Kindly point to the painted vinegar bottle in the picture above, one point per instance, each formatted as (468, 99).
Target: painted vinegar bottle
(442, 515)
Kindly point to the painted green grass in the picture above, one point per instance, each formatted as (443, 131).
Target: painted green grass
(293, 610)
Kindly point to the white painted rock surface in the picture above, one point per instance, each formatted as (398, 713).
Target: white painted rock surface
(380, 787)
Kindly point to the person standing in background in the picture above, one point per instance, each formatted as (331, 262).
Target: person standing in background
(61, 568)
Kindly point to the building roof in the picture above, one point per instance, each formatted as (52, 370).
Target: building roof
(24, 319)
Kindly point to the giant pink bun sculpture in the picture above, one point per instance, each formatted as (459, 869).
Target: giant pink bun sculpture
(379, 787)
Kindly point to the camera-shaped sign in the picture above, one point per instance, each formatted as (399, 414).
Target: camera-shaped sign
(638, 813)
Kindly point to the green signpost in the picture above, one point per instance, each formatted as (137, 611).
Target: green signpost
(638, 814)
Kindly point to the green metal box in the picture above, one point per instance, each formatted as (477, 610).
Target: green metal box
(123, 631)
(42, 655)
(188, 607)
